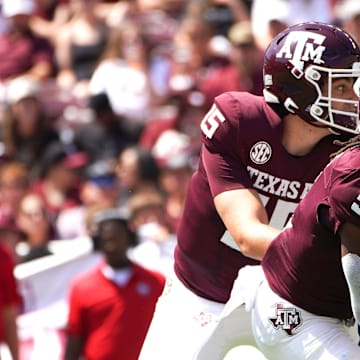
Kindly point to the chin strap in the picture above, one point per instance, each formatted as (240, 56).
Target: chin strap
(332, 131)
(351, 266)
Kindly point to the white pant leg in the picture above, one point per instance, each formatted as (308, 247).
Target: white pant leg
(233, 328)
(181, 322)
(316, 338)
(244, 352)
(353, 332)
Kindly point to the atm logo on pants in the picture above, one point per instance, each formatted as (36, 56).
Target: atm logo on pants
(287, 319)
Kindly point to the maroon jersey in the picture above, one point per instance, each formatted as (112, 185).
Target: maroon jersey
(18, 54)
(241, 149)
(303, 264)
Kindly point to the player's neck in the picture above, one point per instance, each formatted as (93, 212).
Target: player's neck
(299, 137)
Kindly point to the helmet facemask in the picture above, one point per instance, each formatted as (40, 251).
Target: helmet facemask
(324, 109)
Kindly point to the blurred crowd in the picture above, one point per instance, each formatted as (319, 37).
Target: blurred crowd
(101, 103)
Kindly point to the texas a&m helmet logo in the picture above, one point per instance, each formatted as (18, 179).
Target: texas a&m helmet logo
(260, 153)
(308, 46)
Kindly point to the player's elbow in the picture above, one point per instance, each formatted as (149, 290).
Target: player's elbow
(255, 242)
(249, 248)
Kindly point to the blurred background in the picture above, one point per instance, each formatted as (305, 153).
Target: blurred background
(100, 106)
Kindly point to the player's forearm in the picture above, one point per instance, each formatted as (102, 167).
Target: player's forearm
(256, 240)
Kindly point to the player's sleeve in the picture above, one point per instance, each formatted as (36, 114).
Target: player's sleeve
(344, 199)
(221, 146)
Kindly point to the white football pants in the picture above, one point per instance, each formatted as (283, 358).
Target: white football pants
(316, 338)
(183, 321)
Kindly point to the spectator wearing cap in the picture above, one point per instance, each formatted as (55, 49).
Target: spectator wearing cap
(99, 189)
(243, 73)
(61, 177)
(21, 51)
(111, 306)
(347, 14)
(26, 130)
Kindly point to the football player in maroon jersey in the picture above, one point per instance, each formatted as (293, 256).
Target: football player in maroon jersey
(311, 291)
(259, 157)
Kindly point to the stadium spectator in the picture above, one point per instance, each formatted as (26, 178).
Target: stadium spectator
(185, 110)
(123, 74)
(100, 188)
(26, 130)
(220, 14)
(49, 17)
(36, 227)
(111, 305)
(78, 45)
(269, 18)
(244, 71)
(136, 170)
(61, 177)
(177, 160)
(107, 135)
(14, 183)
(23, 52)
(191, 53)
(347, 14)
(156, 235)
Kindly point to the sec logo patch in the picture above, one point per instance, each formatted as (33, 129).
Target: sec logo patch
(260, 153)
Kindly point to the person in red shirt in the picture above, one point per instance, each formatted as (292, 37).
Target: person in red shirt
(111, 306)
(10, 302)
